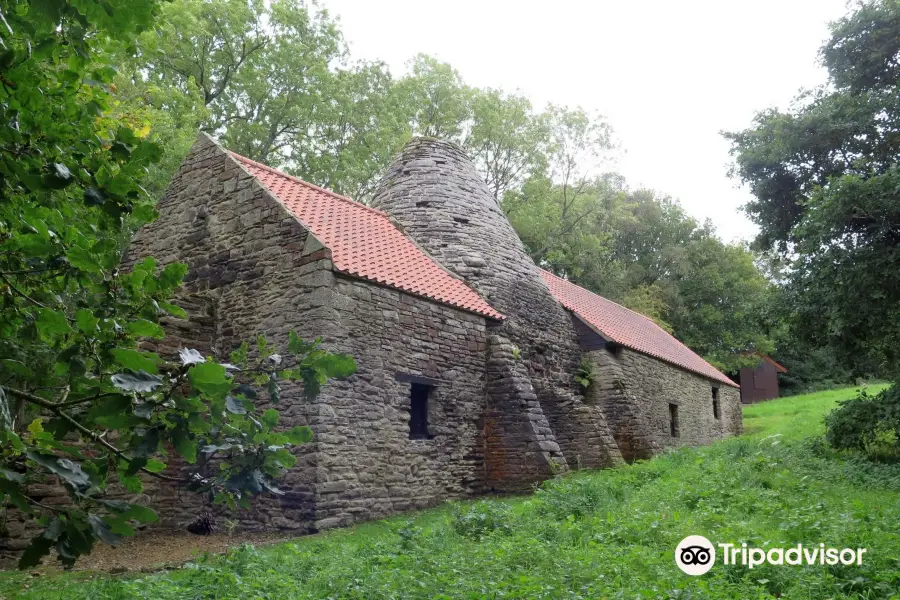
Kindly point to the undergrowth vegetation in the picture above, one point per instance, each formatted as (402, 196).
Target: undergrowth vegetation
(602, 534)
(869, 423)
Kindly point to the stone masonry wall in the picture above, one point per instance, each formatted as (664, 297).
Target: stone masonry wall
(436, 195)
(641, 388)
(368, 467)
(628, 414)
(249, 258)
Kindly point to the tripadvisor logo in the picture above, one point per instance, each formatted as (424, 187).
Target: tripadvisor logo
(695, 555)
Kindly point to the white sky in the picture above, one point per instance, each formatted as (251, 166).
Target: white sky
(668, 74)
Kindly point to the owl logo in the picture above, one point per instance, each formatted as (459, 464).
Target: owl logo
(695, 555)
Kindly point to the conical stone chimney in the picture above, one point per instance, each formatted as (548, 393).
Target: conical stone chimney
(434, 192)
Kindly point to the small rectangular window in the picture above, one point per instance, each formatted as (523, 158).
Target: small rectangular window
(673, 420)
(717, 413)
(418, 411)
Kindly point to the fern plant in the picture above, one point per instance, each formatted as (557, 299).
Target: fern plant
(585, 375)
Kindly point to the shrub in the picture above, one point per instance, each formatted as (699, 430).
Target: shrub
(869, 423)
(482, 518)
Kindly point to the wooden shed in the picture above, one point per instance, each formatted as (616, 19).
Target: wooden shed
(761, 382)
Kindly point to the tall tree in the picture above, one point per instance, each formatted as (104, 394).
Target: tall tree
(824, 177)
(262, 68)
(360, 129)
(571, 190)
(508, 141)
(80, 400)
(437, 100)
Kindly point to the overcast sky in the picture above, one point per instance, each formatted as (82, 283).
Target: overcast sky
(669, 75)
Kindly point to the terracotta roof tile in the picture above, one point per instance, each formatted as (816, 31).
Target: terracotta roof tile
(629, 328)
(365, 243)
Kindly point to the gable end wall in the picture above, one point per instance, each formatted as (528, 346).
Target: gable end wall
(247, 260)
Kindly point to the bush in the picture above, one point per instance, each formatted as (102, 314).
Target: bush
(481, 519)
(868, 423)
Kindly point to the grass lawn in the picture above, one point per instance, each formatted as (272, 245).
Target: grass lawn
(599, 534)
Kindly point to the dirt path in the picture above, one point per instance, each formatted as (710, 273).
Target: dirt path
(155, 550)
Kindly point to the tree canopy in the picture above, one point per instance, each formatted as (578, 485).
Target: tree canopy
(827, 191)
(79, 398)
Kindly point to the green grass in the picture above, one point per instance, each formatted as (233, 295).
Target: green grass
(798, 416)
(601, 534)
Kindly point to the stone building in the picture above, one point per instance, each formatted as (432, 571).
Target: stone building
(467, 351)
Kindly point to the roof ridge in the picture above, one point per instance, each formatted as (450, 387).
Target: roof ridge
(305, 183)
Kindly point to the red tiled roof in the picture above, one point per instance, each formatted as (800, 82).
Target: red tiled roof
(365, 243)
(628, 328)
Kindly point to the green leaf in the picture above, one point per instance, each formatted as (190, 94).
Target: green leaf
(336, 365)
(118, 525)
(155, 466)
(14, 495)
(126, 510)
(127, 136)
(86, 321)
(68, 471)
(234, 405)
(300, 434)
(140, 513)
(274, 389)
(186, 447)
(270, 418)
(284, 458)
(297, 346)
(135, 465)
(135, 360)
(172, 275)
(39, 548)
(175, 311)
(102, 531)
(132, 483)
(210, 379)
(120, 150)
(12, 475)
(145, 328)
(16, 367)
(32, 244)
(52, 324)
(83, 259)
